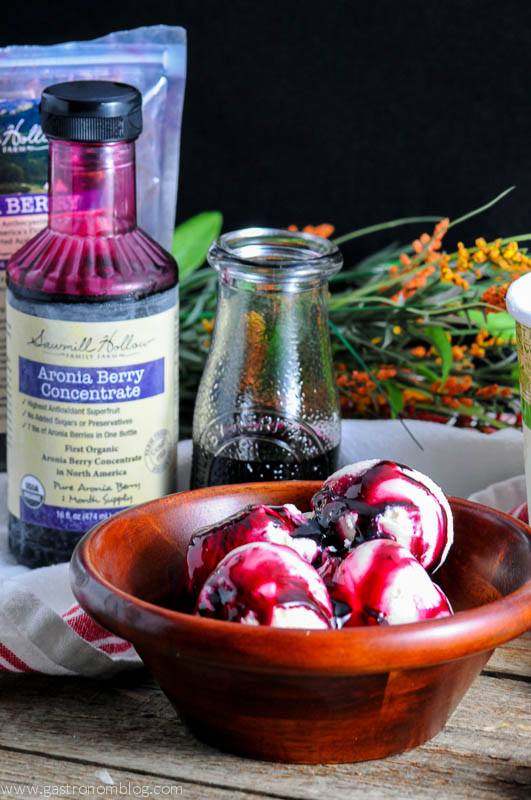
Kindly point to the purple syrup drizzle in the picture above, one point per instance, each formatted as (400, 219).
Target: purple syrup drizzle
(208, 547)
(361, 595)
(362, 495)
(259, 578)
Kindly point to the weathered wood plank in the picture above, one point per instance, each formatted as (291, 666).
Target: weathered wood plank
(484, 751)
(513, 658)
(53, 776)
(25, 776)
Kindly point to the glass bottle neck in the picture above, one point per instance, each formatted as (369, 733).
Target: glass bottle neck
(92, 188)
(274, 260)
(237, 291)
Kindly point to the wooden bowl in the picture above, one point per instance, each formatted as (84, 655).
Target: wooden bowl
(295, 695)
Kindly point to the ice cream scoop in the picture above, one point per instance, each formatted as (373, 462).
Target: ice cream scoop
(381, 583)
(383, 499)
(266, 584)
(259, 523)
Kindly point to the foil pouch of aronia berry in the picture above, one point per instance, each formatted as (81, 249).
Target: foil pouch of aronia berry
(154, 60)
(91, 335)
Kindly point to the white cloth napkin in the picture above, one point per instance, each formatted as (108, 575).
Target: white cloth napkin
(42, 629)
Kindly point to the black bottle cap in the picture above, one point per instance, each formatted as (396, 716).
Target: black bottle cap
(91, 111)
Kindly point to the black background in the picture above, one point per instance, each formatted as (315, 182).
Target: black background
(347, 112)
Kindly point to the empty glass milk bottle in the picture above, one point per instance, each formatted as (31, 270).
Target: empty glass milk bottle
(267, 406)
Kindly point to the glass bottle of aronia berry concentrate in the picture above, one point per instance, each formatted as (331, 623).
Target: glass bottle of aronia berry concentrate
(267, 406)
(91, 335)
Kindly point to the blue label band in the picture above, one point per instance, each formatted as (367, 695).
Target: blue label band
(91, 384)
(19, 205)
(68, 519)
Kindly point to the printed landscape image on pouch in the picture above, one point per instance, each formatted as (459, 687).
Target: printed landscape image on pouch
(23, 197)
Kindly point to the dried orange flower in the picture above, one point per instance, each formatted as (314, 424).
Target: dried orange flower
(448, 275)
(384, 373)
(509, 258)
(426, 247)
(476, 351)
(357, 393)
(488, 391)
(495, 295)
(449, 400)
(453, 385)
(458, 352)
(414, 395)
(324, 229)
(484, 271)
(484, 339)
(415, 283)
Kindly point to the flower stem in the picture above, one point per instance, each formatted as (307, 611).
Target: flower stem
(480, 210)
(383, 226)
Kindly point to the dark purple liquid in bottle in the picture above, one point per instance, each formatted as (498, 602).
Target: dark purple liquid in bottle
(212, 470)
(91, 263)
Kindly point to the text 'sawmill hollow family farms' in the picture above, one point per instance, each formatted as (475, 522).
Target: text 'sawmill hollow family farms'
(153, 59)
(91, 335)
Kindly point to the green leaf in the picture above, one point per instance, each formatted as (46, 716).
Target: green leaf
(477, 317)
(438, 337)
(426, 372)
(396, 399)
(192, 239)
(499, 324)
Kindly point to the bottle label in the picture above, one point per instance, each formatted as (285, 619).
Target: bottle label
(23, 196)
(92, 408)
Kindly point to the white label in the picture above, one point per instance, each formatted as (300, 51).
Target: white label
(92, 413)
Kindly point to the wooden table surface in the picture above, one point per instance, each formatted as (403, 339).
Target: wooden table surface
(80, 736)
